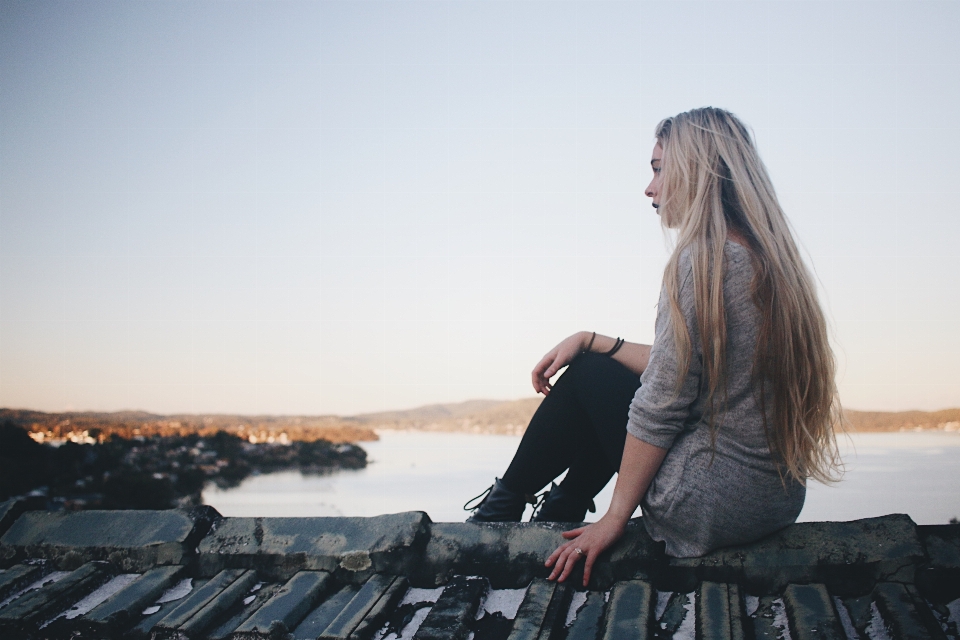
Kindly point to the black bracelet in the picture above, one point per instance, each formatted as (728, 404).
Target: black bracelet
(590, 344)
(616, 347)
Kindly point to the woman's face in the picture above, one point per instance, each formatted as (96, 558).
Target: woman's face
(653, 189)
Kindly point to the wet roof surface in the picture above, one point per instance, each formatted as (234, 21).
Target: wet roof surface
(193, 574)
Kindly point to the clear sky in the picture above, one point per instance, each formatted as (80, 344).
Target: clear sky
(339, 207)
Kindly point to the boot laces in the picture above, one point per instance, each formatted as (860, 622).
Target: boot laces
(534, 499)
(539, 499)
(483, 496)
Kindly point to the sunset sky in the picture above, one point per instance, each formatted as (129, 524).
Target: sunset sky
(341, 207)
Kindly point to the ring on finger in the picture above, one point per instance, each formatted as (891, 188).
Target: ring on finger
(578, 551)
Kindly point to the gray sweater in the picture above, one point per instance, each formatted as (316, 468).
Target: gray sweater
(704, 497)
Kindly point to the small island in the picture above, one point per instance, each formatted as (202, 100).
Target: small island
(134, 461)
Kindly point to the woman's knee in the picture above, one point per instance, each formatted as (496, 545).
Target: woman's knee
(591, 367)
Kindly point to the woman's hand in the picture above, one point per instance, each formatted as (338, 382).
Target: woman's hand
(638, 466)
(558, 357)
(586, 542)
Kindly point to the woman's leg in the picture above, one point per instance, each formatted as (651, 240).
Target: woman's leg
(580, 426)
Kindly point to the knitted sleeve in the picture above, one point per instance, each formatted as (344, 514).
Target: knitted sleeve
(660, 411)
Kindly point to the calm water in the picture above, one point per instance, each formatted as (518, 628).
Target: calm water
(913, 473)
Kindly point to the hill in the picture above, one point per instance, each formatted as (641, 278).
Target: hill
(511, 417)
(500, 417)
(864, 421)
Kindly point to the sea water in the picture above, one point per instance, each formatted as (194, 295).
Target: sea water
(913, 473)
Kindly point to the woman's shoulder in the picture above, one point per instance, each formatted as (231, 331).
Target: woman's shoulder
(738, 277)
(737, 249)
(737, 256)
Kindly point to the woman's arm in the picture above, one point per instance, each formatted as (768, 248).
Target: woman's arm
(639, 465)
(633, 356)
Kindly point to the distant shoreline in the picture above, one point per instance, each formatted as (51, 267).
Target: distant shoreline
(900, 421)
(488, 417)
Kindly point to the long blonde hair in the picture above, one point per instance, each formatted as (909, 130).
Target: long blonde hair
(714, 181)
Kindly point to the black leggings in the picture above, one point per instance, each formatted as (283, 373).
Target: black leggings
(580, 426)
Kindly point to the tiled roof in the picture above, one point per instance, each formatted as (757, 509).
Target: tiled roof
(192, 574)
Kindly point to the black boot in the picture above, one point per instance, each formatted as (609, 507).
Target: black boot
(500, 504)
(562, 505)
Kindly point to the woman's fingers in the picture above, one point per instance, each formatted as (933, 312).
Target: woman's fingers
(553, 556)
(585, 543)
(541, 382)
(588, 566)
(547, 368)
(557, 358)
(558, 567)
(571, 563)
(566, 561)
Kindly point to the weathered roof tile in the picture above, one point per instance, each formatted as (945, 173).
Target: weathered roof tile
(630, 614)
(848, 556)
(16, 577)
(320, 618)
(351, 548)
(199, 598)
(812, 613)
(589, 618)
(204, 618)
(288, 607)
(131, 540)
(457, 606)
(904, 611)
(357, 609)
(542, 610)
(719, 612)
(27, 613)
(121, 609)
(378, 613)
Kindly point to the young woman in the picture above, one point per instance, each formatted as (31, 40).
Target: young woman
(716, 428)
